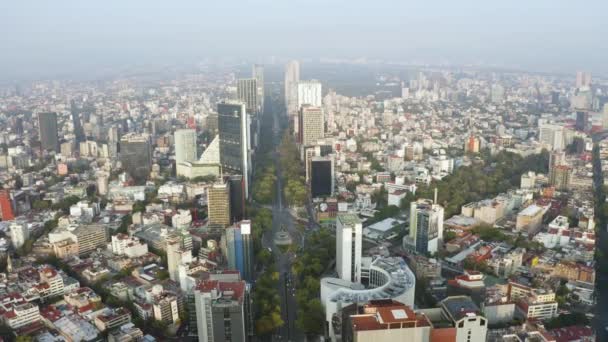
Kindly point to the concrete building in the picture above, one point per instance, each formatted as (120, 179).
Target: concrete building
(247, 92)
(560, 177)
(426, 227)
(466, 318)
(387, 321)
(349, 233)
(312, 125)
(322, 176)
(222, 311)
(19, 234)
(185, 145)
(553, 136)
(218, 203)
(530, 218)
(386, 278)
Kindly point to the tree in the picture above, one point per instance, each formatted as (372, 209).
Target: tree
(41, 205)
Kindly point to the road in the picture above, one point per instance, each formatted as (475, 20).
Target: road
(281, 218)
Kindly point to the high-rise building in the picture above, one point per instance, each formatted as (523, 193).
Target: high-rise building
(349, 230)
(583, 79)
(321, 176)
(19, 234)
(312, 125)
(292, 77)
(309, 93)
(426, 227)
(47, 131)
(559, 177)
(555, 137)
(472, 144)
(605, 116)
(6, 206)
(247, 91)
(235, 145)
(176, 254)
(237, 197)
(222, 311)
(136, 155)
(238, 248)
(583, 123)
(78, 130)
(258, 74)
(185, 145)
(218, 203)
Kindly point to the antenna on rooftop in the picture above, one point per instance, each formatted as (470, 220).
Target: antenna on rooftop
(435, 197)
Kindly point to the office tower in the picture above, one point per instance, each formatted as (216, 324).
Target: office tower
(47, 131)
(426, 226)
(6, 206)
(90, 237)
(218, 203)
(136, 155)
(553, 136)
(103, 179)
(258, 74)
(582, 121)
(321, 176)
(235, 148)
(185, 145)
(19, 234)
(349, 230)
(559, 177)
(292, 77)
(583, 79)
(222, 311)
(309, 93)
(247, 91)
(78, 130)
(237, 197)
(312, 126)
(238, 249)
(17, 125)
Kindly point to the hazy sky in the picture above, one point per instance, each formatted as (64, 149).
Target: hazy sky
(57, 35)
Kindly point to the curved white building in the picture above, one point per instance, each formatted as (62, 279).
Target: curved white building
(387, 278)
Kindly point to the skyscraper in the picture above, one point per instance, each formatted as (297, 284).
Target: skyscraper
(321, 176)
(218, 203)
(312, 125)
(349, 230)
(235, 148)
(185, 145)
(237, 197)
(309, 93)
(78, 131)
(247, 91)
(583, 79)
(47, 131)
(238, 248)
(136, 155)
(583, 123)
(497, 93)
(258, 74)
(222, 310)
(292, 77)
(426, 226)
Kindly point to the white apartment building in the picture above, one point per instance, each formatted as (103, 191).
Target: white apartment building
(349, 232)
